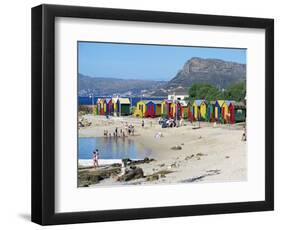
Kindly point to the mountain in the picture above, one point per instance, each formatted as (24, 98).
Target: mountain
(109, 86)
(216, 72)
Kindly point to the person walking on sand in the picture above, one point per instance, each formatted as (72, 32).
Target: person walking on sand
(142, 123)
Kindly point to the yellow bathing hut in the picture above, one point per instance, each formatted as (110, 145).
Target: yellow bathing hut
(101, 105)
(166, 108)
(115, 105)
(196, 109)
(204, 110)
(140, 108)
(163, 107)
(226, 110)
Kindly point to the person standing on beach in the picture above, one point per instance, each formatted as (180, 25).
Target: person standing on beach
(94, 158)
(126, 127)
(97, 158)
(142, 123)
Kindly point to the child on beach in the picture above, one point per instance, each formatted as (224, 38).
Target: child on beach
(96, 158)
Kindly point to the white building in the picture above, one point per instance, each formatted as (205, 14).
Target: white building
(178, 96)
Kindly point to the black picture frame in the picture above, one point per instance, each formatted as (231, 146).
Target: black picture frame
(43, 114)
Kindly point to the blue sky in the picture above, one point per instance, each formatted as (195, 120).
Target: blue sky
(149, 62)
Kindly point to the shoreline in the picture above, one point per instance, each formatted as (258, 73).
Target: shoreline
(102, 162)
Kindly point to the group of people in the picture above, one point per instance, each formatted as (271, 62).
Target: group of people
(171, 122)
(119, 132)
(130, 129)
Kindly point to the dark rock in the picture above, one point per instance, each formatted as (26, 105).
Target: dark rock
(88, 177)
(177, 147)
(152, 177)
(132, 174)
(128, 161)
(213, 71)
(201, 154)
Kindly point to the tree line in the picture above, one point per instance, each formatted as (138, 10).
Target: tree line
(236, 92)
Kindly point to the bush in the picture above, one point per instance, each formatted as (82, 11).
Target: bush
(85, 109)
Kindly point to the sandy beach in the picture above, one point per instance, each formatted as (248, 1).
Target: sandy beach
(207, 154)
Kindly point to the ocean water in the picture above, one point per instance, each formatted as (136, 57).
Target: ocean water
(111, 148)
(84, 100)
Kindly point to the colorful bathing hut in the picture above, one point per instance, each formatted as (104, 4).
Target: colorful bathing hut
(227, 112)
(166, 108)
(190, 116)
(211, 111)
(218, 107)
(101, 106)
(109, 106)
(153, 108)
(114, 102)
(123, 106)
(204, 110)
(184, 109)
(239, 111)
(176, 110)
(196, 109)
(140, 108)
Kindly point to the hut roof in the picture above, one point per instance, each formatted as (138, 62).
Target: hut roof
(124, 101)
(184, 103)
(144, 101)
(107, 100)
(239, 105)
(168, 101)
(212, 102)
(198, 102)
(100, 100)
(115, 99)
(156, 101)
(228, 102)
(220, 102)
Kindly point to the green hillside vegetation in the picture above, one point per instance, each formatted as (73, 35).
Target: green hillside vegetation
(209, 92)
